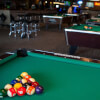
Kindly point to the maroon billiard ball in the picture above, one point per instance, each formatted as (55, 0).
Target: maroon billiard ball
(34, 84)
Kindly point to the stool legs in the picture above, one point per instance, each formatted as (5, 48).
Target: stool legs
(12, 29)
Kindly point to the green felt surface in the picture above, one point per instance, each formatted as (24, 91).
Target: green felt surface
(81, 27)
(61, 78)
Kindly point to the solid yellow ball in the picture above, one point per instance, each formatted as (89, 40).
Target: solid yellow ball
(17, 85)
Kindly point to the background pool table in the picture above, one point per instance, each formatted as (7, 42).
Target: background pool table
(62, 78)
(93, 22)
(77, 35)
(56, 19)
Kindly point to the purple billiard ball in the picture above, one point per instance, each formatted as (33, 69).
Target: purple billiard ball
(39, 89)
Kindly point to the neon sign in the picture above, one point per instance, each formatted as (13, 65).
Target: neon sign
(97, 3)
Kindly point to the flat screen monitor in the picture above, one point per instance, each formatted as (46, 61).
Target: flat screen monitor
(89, 4)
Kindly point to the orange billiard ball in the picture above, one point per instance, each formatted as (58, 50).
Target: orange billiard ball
(27, 77)
(90, 27)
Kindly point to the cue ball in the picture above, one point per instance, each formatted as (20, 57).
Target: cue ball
(30, 90)
(11, 92)
(7, 86)
(21, 91)
(17, 85)
(23, 74)
(39, 89)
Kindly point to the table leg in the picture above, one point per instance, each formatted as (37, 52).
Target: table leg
(72, 50)
(46, 26)
(59, 26)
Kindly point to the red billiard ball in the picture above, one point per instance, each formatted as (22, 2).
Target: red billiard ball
(34, 84)
(21, 91)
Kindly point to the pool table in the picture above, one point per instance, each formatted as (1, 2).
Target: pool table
(62, 78)
(56, 19)
(77, 35)
(93, 22)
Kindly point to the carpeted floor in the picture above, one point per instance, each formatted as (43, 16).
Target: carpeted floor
(51, 40)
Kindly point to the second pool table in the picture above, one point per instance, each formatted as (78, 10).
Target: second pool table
(57, 19)
(93, 22)
(62, 78)
(77, 35)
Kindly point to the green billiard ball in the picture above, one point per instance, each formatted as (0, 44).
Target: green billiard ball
(19, 78)
(3, 93)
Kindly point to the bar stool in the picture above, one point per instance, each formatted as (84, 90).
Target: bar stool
(15, 27)
(26, 28)
(35, 27)
(12, 29)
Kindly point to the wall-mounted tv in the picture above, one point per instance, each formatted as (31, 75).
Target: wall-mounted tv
(89, 4)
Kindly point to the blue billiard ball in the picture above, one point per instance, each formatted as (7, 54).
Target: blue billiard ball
(14, 82)
(39, 89)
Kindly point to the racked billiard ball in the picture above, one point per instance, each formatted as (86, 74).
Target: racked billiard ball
(23, 81)
(3, 93)
(11, 92)
(8, 86)
(39, 89)
(23, 74)
(14, 82)
(19, 78)
(21, 91)
(32, 79)
(29, 82)
(30, 90)
(27, 77)
(34, 84)
(17, 85)
(26, 85)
